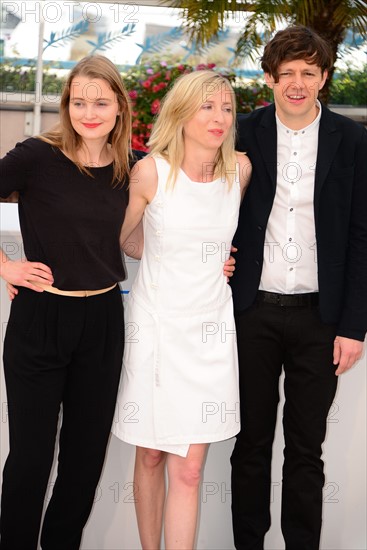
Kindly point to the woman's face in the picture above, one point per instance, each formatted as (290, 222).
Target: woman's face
(210, 125)
(93, 108)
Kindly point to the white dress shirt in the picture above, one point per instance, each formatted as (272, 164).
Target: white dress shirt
(290, 262)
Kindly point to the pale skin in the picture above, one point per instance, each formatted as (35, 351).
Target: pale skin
(295, 97)
(179, 509)
(93, 109)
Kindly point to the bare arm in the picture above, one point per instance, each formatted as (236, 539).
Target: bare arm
(245, 171)
(143, 186)
(134, 244)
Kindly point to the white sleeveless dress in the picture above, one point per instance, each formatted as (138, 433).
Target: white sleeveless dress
(180, 373)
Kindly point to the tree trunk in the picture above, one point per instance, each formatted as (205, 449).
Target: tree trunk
(322, 21)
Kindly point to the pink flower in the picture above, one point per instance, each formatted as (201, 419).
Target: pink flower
(168, 75)
(180, 67)
(138, 144)
(146, 83)
(154, 109)
(211, 65)
(156, 88)
(133, 94)
(150, 71)
(163, 64)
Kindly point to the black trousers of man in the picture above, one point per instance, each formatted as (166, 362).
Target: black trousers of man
(270, 337)
(57, 350)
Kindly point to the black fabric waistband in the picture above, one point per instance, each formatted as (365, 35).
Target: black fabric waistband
(288, 300)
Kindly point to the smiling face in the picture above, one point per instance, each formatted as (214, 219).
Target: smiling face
(210, 125)
(93, 108)
(296, 92)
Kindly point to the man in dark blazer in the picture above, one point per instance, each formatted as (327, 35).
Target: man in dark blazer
(300, 285)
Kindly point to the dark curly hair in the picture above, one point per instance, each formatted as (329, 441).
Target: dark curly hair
(296, 42)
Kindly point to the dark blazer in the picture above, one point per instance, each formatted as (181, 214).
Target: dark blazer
(340, 208)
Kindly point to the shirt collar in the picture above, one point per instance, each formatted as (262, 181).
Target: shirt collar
(284, 129)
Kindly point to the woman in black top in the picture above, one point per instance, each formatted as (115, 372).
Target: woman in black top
(64, 339)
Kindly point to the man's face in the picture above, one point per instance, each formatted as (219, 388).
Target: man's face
(296, 92)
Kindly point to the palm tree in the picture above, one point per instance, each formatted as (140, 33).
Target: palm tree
(332, 19)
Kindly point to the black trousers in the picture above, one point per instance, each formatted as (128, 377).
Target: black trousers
(269, 337)
(57, 350)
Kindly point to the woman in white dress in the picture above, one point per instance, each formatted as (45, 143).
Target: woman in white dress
(179, 389)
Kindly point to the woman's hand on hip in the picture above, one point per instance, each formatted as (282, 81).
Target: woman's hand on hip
(24, 273)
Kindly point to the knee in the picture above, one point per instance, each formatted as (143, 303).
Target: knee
(190, 474)
(151, 458)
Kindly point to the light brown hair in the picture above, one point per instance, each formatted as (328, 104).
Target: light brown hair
(69, 141)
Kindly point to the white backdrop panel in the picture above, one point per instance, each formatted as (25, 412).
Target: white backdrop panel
(112, 525)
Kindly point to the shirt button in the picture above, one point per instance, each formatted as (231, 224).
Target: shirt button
(157, 258)
(153, 285)
(259, 227)
(290, 238)
(257, 262)
(291, 269)
(159, 233)
(291, 209)
(296, 133)
(294, 153)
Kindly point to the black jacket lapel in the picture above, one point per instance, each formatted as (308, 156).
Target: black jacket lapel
(329, 140)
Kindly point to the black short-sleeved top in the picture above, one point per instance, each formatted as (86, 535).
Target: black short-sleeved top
(69, 221)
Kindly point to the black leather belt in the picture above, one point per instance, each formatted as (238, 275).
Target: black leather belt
(288, 300)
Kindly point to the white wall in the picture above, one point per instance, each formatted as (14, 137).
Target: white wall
(112, 525)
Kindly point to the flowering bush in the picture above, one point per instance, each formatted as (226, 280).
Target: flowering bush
(251, 96)
(148, 84)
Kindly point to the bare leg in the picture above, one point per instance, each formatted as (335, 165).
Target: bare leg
(150, 494)
(184, 475)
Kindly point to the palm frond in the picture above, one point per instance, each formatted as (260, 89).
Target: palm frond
(107, 40)
(154, 44)
(57, 38)
(205, 19)
(195, 48)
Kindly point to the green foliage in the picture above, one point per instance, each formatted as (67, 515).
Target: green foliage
(147, 85)
(251, 95)
(349, 87)
(18, 79)
(342, 23)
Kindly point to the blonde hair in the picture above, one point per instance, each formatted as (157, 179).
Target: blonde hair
(68, 140)
(179, 105)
